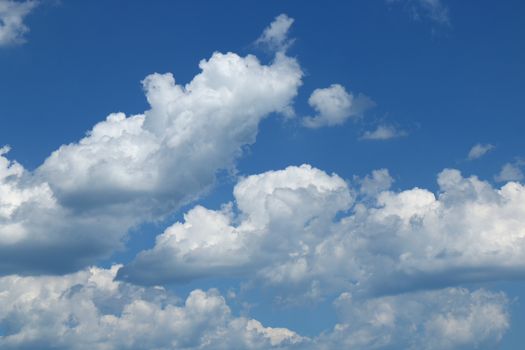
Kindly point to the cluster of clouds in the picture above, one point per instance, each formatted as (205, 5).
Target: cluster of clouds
(394, 262)
(394, 259)
(305, 230)
(90, 310)
(131, 169)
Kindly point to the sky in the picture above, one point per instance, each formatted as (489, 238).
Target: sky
(255, 175)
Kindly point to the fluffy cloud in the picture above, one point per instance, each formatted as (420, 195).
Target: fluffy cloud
(12, 27)
(453, 318)
(287, 232)
(89, 310)
(479, 150)
(37, 234)
(280, 216)
(334, 106)
(79, 204)
(383, 132)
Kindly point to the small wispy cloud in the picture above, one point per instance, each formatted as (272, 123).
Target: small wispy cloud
(275, 36)
(479, 150)
(511, 172)
(434, 10)
(383, 132)
(12, 27)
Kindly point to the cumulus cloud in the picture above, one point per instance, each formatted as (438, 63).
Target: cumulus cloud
(78, 205)
(12, 27)
(279, 215)
(89, 310)
(275, 36)
(383, 132)
(479, 150)
(434, 10)
(510, 172)
(452, 318)
(335, 105)
(287, 233)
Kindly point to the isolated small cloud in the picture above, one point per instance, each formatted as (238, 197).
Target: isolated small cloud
(334, 105)
(12, 27)
(383, 132)
(510, 172)
(479, 150)
(275, 36)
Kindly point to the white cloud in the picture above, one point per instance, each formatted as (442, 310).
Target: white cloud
(89, 310)
(287, 235)
(335, 105)
(452, 318)
(510, 172)
(280, 213)
(479, 150)
(12, 27)
(275, 36)
(79, 204)
(383, 132)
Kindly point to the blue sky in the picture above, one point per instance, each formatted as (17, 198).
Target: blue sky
(247, 174)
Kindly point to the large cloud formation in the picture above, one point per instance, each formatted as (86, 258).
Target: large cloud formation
(88, 310)
(286, 230)
(128, 169)
(394, 261)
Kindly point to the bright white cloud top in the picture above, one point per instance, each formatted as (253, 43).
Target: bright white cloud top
(284, 231)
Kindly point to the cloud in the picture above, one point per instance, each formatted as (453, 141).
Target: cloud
(510, 172)
(275, 36)
(335, 105)
(375, 183)
(279, 214)
(78, 205)
(12, 27)
(89, 310)
(479, 150)
(452, 318)
(434, 10)
(383, 132)
(289, 233)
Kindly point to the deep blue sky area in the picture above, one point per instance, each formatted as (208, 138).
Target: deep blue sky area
(447, 86)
